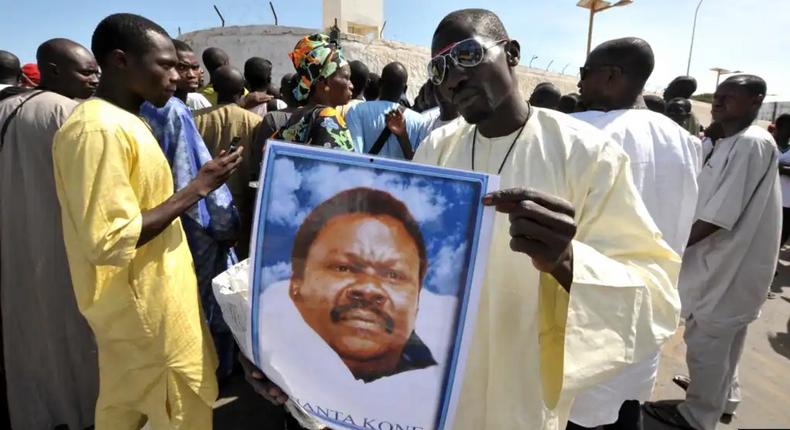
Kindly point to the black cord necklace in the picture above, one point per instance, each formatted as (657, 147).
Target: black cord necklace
(512, 145)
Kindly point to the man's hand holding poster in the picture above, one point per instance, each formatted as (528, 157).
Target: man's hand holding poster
(364, 284)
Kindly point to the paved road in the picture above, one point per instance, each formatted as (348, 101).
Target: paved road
(764, 368)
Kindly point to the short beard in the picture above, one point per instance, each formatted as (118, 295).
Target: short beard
(476, 117)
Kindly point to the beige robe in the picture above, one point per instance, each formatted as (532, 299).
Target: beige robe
(50, 354)
(220, 126)
(535, 345)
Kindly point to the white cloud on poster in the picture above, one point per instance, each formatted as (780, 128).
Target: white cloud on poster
(277, 272)
(323, 181)
(444, 270)
(283, 205)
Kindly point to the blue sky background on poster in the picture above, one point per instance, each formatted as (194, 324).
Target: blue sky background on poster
(443, 208)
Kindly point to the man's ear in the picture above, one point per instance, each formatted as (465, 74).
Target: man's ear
(118, 59)
(513, 51)
(51, 69)
(615, 73)
(757, 101)
(295, 289)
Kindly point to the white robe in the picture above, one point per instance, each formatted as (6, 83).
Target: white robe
(535, 345)
(726, 276)
(665, 162)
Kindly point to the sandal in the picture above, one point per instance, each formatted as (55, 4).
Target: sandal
(682, 381)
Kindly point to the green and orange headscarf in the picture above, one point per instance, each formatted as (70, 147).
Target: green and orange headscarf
(314, 57)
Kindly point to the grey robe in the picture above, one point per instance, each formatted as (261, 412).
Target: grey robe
(50, 356)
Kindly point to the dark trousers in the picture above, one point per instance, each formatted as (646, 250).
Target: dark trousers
(629, 418)
(785, 226)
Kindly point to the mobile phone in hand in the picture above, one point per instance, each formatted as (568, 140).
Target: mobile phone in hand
(234, 145)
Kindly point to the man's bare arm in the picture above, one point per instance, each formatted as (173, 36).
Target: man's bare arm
(210, 177)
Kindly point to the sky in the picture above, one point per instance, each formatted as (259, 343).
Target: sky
(746, 35)
(444, 209)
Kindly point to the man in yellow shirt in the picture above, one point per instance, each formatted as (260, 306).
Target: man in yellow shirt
(130, 264)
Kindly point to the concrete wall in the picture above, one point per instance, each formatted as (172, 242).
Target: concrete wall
(702, 111)
(274, 43)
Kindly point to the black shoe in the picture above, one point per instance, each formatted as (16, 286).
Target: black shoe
(667, 414)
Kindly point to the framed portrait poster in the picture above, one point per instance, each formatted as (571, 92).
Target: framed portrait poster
(364, 283)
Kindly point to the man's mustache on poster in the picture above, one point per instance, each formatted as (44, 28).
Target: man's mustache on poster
(341, 312)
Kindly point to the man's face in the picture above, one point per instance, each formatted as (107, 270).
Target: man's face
(189, 71)
(361, 286)
(679, 112)
(732, 102)
(476, 91)
(782, 134)
(80, 75)
(152, 75)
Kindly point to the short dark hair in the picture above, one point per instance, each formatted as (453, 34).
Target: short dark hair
(783, 121)
(359, 77)
(258, 72)
(632, 54)
(754, 84)
(394, 79)
(485, 23)
(228, 81)
(356, 200)
(125, 31)
(655, 103)
(681, 86)
(372, 89)
(214, 58)
(545, 94)
(568, 103)
(182, 46)
(10, 69)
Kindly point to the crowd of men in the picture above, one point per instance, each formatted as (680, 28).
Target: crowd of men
(125, 189)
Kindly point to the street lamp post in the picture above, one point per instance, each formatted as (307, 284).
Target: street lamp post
(596, 6)
(693, 32)
(531, 60)
(719, 72)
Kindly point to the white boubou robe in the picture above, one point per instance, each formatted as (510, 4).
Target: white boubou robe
(535, 344)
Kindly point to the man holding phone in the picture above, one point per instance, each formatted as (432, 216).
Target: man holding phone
(128, 257)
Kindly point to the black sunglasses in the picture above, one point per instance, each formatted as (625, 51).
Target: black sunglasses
(466, 53)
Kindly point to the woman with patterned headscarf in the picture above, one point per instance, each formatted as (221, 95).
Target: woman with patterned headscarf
(323, 81)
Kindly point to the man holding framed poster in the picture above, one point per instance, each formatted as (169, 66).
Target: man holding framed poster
(580, 283)
(362, 291)
(600, 292)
